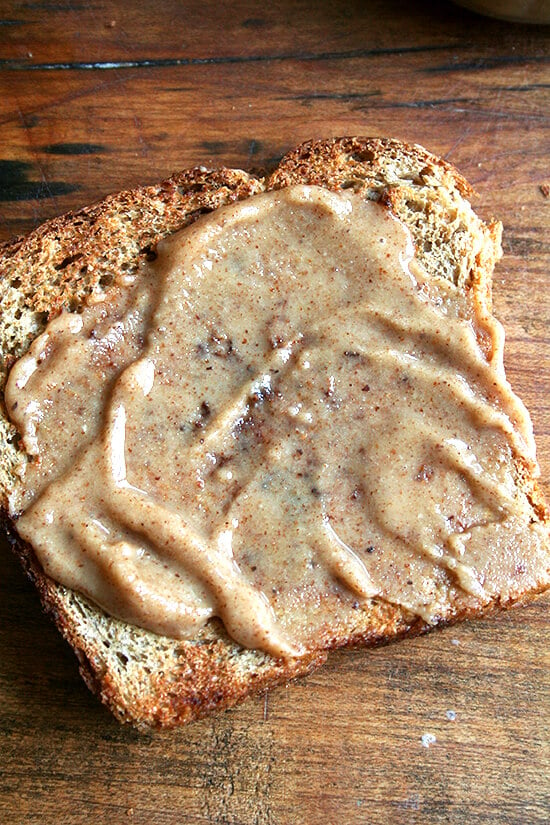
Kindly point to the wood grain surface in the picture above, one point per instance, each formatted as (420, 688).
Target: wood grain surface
(98, 96)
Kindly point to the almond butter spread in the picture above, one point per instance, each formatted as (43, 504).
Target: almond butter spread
(276, 422)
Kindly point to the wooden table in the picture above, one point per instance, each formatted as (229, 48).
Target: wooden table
(101, 96)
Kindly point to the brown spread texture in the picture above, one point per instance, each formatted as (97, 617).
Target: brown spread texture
(249, 420)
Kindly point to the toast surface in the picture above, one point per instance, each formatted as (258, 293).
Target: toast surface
(149, 679)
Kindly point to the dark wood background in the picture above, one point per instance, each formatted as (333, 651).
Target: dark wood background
(98, 96)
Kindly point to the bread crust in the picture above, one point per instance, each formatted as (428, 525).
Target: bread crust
(143, 678)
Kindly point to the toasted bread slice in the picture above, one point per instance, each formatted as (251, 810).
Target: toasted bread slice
(152, 680)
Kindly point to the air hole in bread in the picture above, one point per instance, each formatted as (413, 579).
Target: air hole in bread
(362, 156)
(194, 187)
(149, 252)
(70, 259)
(420, 178)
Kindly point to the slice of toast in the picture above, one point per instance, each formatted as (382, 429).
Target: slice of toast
(154, 680)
